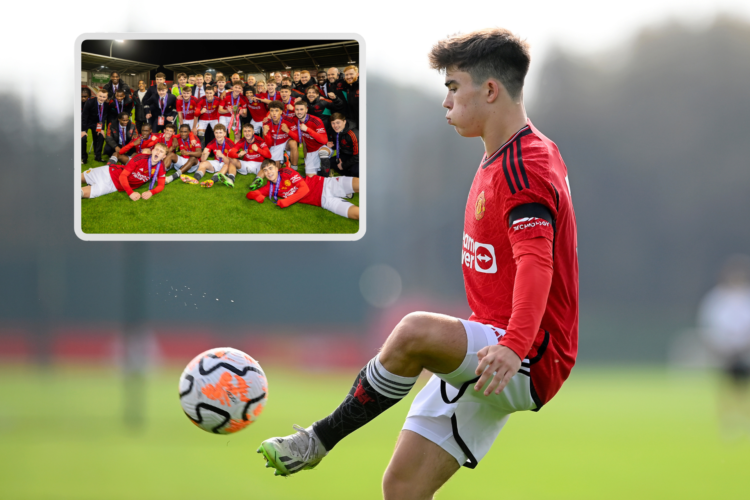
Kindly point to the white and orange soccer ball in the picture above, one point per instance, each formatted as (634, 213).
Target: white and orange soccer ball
(223, 390)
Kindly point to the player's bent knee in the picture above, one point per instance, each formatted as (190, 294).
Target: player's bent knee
(412, 331)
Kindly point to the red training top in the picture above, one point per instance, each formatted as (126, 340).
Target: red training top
(250, 155)
(315, 136)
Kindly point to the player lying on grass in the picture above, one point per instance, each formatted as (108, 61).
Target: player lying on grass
(220, 148)
(286, 187)
(276, 135)
(140, 169)
(140, 144)
(310, 130)
(248, 154)
(520, 343)
(187, 156)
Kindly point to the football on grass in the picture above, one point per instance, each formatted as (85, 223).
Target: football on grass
(223, 390)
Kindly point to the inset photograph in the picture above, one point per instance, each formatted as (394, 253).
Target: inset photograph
(220, 138)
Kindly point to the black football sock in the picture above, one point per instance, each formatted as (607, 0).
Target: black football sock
(198, 176)
(231, 176)
(375, 390)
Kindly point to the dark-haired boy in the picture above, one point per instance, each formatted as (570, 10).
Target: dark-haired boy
(120, 133)
(199, 91)
(310, 130)
(520, 343)
(286, 187)
(233, 105)
(140, 144)
(181, 82)
(345, 140)
(208, 113)
(164, 109)
(187, 156)
(94, 118)
(256, 110)
(121, 103)
(220, 148)
(288, 101)
(276, 130)
(248, 154)
(187, 107)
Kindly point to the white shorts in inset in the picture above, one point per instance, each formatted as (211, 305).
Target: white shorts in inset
(478, 418)
(181, 161)
(247, 167)
(203, 124)
(335, 188)
(224, 120)
(100, 181)
(312, 163)
(277, 152)
(216, 165)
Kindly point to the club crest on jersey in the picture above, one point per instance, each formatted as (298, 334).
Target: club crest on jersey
(478, 256)
(287, 183)
(479, 207)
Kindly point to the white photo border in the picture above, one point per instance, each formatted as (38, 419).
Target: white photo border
(361, 64)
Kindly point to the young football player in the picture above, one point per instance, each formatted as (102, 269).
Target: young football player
(208, 79)
(169, 139)
(121, 133)
(187, 105)
(121, 103)
(248, 154)
(346, 142)
(94, 118)
(200, 88)
(232, 104)
(141, 169)
(208, 114)
(186, 161)
(164, 110)
(276, 130)
(287, 101)
(182, 81)
(256, 110)
(323, 107)
(294, 92)
(310, 130)
(286, 187)
(191, 80)
(220, 148)
(270, 94)
(141, 144)
(519, 345)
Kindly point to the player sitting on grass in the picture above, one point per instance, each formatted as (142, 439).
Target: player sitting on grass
(141, 144)
(276, 135)
(121, 132)
(186, 108)
(248, 154)
(208, 114)
(189, 154)
(220, 148)
(520, 343)
(311, 130)
(139, 170)
(286, 187)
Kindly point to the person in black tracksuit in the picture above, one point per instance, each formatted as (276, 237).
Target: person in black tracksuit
(121, 103)
(120, 133)
(114, 84)
(85, 96)
(94, 118)
(316, 106)
(142, 106)
(351, 87)
(346, 144)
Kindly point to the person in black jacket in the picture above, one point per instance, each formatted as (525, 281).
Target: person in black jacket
(94, 118)
(142, 106)
(163, 109)
(317, 106)
(346, 144)
(114, 84)
(120, 133)
(351, 87)
(122, 103)
(85, 96)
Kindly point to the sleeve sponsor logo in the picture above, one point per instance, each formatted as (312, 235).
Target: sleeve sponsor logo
(289, 193)
(478, 256)
(528, 223)
(295, 178)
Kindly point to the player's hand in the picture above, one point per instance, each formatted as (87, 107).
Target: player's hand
(339, 165)
(135, 196)
(290, 107)
(284, 128)
(83, 134)
(148, 116)
(331, 95)
(170, 118)
(203, 111)
(146, 195)
(303, 127)
(243, 112)
(330, 144)
(242, 153)
(266, 128)
(297, 99)
(194, 143)
(499, 363)
(117, 150)
(219, 154)
(255, 147)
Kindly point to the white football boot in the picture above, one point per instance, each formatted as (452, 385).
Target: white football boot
(291, 454)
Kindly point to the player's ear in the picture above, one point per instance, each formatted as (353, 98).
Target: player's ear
(493, 89)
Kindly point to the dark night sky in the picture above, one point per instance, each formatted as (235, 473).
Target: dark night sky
(177, 51)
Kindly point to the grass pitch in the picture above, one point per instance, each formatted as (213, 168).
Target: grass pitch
(609, 434)
(189, 209)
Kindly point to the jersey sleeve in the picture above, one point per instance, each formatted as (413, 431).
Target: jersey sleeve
(318, 131)
(302, 191)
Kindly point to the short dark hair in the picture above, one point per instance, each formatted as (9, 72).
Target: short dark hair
(184, 125)
(220, 126)
(170, 125)
(250, 88)
(301, 103)
(124, 114)
(314, 88)
(489, 53)
(275, 105)
(337, 116)
(267, 162)
(248, 125)
(285, 87)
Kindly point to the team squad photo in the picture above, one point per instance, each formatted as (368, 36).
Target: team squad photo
(204, 143)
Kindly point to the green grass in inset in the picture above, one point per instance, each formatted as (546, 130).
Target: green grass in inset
(188, 208)
(609, 434)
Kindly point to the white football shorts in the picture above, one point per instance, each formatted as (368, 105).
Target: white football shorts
(312, 163)
(224, 120)
(203, 124)
(258, 126)
(216, 165)
(277, 152)
(247, 167)
(335, 188)
(478, 418)
(100, 181)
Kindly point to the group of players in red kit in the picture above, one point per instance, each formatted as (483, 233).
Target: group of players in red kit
(254, 132)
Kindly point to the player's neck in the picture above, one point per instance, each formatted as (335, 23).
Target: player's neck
(501, 126)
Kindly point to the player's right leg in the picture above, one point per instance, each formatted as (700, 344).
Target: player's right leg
(98, 181)
(420, 340)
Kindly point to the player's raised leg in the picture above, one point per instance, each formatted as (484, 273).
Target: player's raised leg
(420, 340)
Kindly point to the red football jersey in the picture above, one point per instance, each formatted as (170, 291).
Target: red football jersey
(226, 102)
(160, 138)
(140, 143)
(288, 113)
(258, 110)
(526, 169)
(138, 172)
(251, 155)
(276, 134)
(187, 146)
(225, 147)
(187, 108)
(271, 97)
(212, 108)
(315, 136)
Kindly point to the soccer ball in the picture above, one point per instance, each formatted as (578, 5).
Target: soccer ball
(223, 390)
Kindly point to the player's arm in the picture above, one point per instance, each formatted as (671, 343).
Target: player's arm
(235, 152)
(222, 109)
(160, 182)
(205, 154)
(531, 234)
(110, 139)
(124, 173)
(301, 193)
(263, 150)
(259, 194)
(129, 145)
(318, 134)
